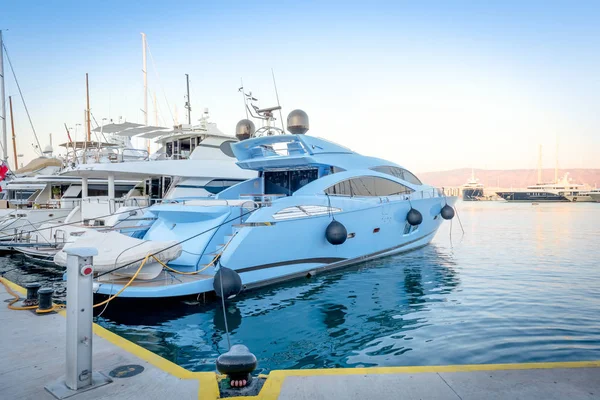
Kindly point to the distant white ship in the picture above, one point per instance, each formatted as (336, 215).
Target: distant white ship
(594, 195)
(472, 190)
(557, 191)
(562, 190)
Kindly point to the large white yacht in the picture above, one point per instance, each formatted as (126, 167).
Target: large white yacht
(190, 164)
(562, 190)
(473, 189)
(594, 195)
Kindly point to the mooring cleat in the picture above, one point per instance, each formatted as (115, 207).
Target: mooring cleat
(238, 363)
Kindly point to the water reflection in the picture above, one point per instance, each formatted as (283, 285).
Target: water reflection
(316, 322)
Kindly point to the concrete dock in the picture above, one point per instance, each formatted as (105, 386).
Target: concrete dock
(32, 355)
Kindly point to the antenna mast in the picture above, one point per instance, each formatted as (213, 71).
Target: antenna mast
(2, 97)
(277, 96)
(188, 104)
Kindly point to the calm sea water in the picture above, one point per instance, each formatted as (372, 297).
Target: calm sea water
(521, 285)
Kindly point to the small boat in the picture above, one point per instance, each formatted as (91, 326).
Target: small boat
(315, 206)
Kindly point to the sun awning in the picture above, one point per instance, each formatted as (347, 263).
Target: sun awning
(115, 128)
(141, 129)
(155, 134)
(128, 129)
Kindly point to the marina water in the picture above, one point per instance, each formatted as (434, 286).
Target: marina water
(521, 285)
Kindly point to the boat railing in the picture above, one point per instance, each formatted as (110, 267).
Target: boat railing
(262, 200)
(429, 193)
(112, 154)
(241, 203)
(136, 154)
(278, 149)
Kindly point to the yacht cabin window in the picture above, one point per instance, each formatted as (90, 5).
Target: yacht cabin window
(366, 186)
(288, 181)
(95, 190)
(398, 173)
(218, 185)
(156, 188)
(23, 194)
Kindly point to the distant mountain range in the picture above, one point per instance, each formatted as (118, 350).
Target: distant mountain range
(515, 178)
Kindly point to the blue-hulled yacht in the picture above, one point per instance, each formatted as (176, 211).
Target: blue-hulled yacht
(315, 206)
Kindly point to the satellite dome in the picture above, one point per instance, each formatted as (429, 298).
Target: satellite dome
(297, 122)
(244, 129)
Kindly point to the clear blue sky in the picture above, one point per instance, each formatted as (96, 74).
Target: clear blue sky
(431, 85)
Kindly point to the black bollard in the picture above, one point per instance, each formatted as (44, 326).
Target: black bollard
(237, 364)
(32, 294)
(45, 299)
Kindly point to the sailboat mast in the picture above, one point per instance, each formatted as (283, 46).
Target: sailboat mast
(556, 165)
(539, 180)
(145, 75)
(14, 140)
(87, 91)
(188, 103)
(2, 102)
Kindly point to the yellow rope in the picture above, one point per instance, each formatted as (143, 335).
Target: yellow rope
(212, 262)
(55, 307)
(126, 285)
(16, 298)
(185, 273)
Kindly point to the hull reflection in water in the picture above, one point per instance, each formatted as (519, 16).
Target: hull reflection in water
(312, 323)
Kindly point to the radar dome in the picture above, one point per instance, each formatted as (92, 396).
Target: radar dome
(297, 122)
(244, 129)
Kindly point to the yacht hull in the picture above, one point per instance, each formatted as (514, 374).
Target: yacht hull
(528, 197)
(264, 254)
(582, 198)
(29, 221)
(474, 194)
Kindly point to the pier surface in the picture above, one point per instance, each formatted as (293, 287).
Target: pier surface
(32, 355)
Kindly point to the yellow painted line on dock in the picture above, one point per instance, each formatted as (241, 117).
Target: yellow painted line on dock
(209, 388)
(14, 286)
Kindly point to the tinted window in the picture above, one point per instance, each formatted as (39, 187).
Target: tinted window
(218, 185)
(340, 189)
(411, 178)
(287, 182)
(398, 173)
(368, 186)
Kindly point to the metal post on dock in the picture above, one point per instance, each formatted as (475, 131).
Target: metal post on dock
(79, 375)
